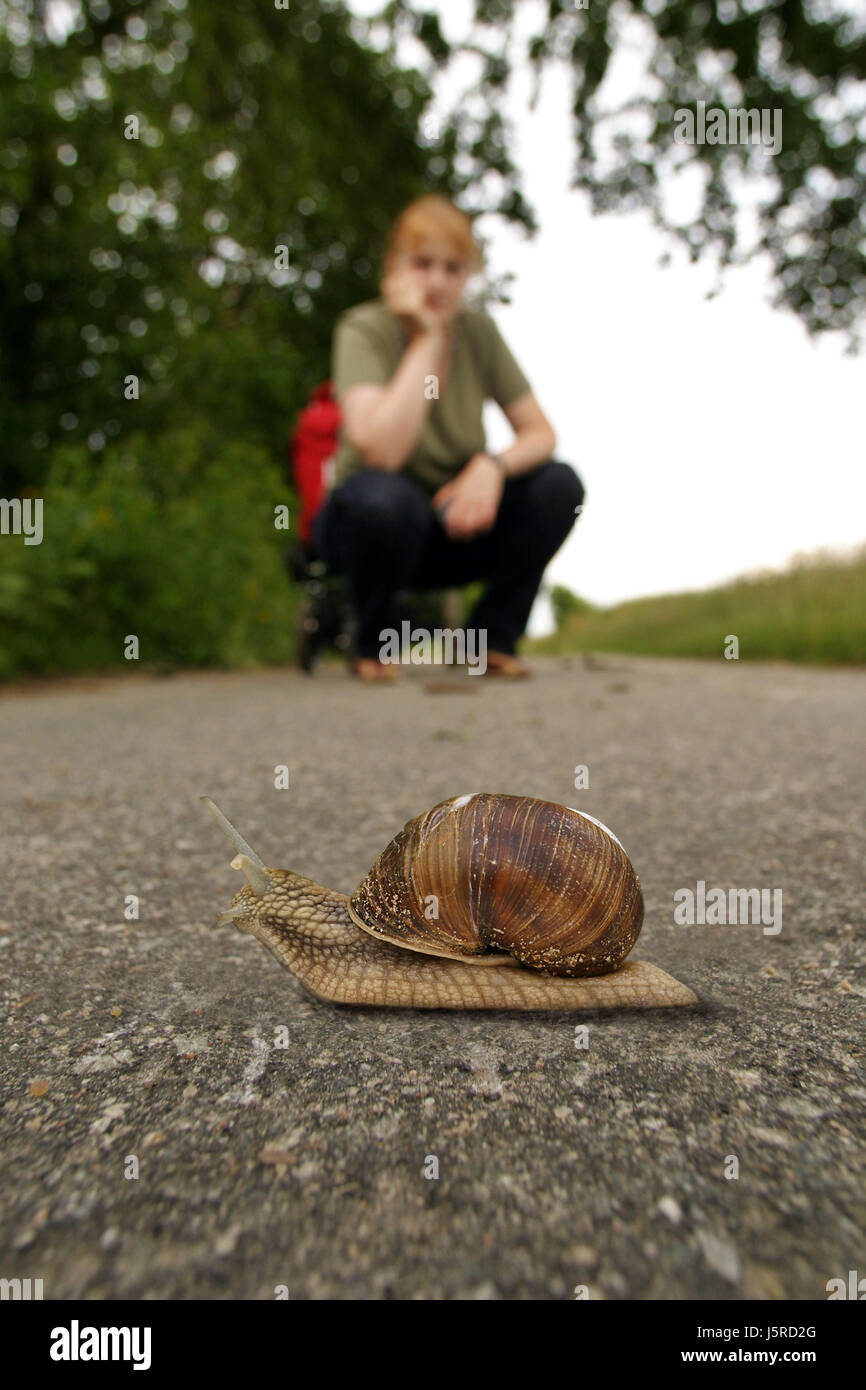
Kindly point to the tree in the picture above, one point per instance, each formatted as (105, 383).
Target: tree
(803, 58)
(565, 602)
(152, 161)
(190, 193)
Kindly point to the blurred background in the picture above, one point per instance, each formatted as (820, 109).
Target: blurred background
(690, 317)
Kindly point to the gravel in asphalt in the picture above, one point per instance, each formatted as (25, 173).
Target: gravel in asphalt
(181, 1119)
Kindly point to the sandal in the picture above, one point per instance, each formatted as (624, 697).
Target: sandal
(370, 668)
(504, 664)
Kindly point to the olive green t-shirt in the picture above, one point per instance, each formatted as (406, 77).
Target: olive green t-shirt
(369, 342)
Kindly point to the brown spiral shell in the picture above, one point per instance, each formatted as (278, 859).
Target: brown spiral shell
(550, 885)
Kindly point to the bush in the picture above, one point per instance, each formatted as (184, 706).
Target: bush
(564, 603)
(811, 612)
(171, 539)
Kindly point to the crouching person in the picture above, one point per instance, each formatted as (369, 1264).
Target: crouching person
(417, 501)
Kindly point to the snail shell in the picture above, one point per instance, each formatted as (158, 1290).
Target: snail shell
(550, 885)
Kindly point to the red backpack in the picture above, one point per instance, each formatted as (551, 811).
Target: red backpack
(311, 446)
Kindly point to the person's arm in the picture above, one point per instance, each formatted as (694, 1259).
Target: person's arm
(384, 423)
(468, 504)
(535, 438)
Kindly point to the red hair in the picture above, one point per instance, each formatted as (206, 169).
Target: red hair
(434, 216)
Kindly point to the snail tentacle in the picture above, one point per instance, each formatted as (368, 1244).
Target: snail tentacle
(256, 877)
(234, 835)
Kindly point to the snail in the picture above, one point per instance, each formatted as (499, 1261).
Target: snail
(487, 901)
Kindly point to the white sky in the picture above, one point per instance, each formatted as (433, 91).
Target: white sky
(712, 436)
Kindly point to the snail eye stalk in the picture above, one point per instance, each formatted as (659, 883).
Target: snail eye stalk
(231, 833)
(256, 877)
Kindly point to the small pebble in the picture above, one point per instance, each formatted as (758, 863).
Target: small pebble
(271, 1154)
(669, 1207)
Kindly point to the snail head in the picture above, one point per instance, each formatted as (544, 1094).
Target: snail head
(247, 904)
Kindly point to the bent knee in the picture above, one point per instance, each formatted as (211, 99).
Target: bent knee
(376, 498)
(556, 484)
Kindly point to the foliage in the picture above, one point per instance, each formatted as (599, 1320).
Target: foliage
(804, 58)
(813, 612)
(155, 257)
(564, 603)
(155, 349)
(194, 571)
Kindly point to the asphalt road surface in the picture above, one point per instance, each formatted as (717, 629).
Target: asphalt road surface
(181, 1119)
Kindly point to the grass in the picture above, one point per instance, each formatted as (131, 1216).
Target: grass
(814, 612)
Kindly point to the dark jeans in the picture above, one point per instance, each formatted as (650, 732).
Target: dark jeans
(380, 531)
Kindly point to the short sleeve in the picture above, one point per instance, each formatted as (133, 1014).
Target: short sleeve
(505, 379)
(358, 356)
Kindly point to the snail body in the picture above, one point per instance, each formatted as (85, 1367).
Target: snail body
(486, 901)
